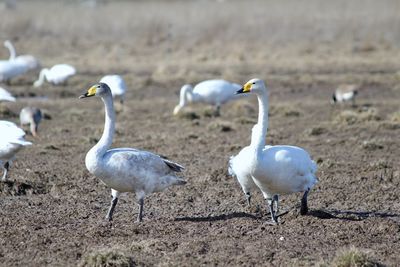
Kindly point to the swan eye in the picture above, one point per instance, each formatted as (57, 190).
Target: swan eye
(254, 82)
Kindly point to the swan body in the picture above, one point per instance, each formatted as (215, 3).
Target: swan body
(345, 93)
(117, 86)
(127, 169)
(29, 61)
(11, 141)
(31, 116)
(212, 92)
(6, 96)
(11, 69)
(57, 74)
(275, 170)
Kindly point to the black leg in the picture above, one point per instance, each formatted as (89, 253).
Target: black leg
(140, 215)
(304, 207)
(248, 198)
(110, 212)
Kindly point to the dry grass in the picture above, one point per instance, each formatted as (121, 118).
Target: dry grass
(352, 257)
(107, 258)
(350, 117)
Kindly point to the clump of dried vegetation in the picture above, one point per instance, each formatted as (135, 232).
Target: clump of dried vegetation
(107, 258)
(350, 117)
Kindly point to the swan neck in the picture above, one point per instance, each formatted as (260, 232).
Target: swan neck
(260, 130)
(11, 50)
(42, 75)
(185, 95)
(109, 128)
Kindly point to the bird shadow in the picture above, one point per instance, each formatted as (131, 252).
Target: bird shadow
(221, 217)
(350, 215)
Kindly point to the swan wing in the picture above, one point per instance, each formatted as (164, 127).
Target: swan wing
(144, 158)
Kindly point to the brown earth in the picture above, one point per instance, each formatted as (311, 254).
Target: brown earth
(52, 210)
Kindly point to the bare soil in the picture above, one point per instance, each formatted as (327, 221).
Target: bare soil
(52, 211)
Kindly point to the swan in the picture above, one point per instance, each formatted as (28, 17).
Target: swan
(126, 169)
(213, 92)
(57, 74)
(6, 96)
(11, 141)
(31, 116)
(10, 69)
(30, 61)
(117, 86)
(275, 170)
(345, 93)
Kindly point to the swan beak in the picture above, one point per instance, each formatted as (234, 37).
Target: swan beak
(177, 109)
(245, 89)
(90, 92)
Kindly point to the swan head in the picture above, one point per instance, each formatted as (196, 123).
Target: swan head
(100, 89)
(253, 86)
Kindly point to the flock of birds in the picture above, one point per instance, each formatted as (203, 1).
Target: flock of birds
(274, 170)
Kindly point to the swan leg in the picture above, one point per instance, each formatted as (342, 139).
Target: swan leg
(114, 201)
(218, 110)
(276, 202)
(140, 215)
(271, 209)
(5, 168)
(248, 198)
(304, 207)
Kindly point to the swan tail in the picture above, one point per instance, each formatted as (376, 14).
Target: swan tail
(173, 166)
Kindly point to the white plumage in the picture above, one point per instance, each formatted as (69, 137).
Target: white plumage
(11, 141)
(274, 170)
(212, 92)
(117, 86)
(5, 95)
(11, 69)
(127, 169)
(29, 61)
(57, 74)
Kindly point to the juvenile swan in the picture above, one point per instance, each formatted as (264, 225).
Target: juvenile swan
(126, 169)
(274, 170)
(212, 92)
(11, 141)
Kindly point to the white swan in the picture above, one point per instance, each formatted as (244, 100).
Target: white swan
(30, 61)
(274, 170)
(126, 169)
(11, 141)
(57, 74)
(213, 92)
(31, 116)
(11, 69)
(345, 93)
(5, 95)
(117, 86)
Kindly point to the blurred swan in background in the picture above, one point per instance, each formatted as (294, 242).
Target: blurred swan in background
(57, 74)
(31, 116)
(213, 92)
(10, 69)
(6, 96)
(30, 61)
(345, 93)
(274, 170)
(117, 86)
(126, 169)
(11, 141)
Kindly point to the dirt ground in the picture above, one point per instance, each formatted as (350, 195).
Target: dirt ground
(52, 211)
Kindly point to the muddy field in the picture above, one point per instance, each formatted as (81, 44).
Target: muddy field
(52, 211)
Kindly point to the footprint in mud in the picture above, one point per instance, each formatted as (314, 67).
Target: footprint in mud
(16, 188)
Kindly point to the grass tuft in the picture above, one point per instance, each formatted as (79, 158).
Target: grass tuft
(107, 258)
(352, 257)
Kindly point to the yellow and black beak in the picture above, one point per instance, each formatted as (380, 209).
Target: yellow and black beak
(90, 92)
(245, 89)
